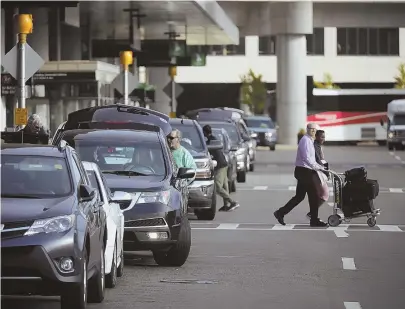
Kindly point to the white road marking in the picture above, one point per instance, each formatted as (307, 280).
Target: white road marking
(352, 305)
(389, 228)
(292, 188)
(331, 204)
(340, 232)
(260, 188)
(396, 190)
(286, 227)
(227, 226)
(348, 263)
(397, 157)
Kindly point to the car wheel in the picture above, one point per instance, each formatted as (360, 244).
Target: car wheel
(111, 278)
(273, 147)
(177, 255)
(241, 176)
(208, 214)
(120, 270)
(75, 296)
(97, 283)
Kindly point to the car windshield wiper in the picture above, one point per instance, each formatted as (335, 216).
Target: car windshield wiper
(125, 173)
(20, 196)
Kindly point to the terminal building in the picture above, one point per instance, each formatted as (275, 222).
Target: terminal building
(360, 45)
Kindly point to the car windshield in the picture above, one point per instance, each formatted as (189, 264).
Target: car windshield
(399, 120)
(132, 158)
(190, 138)
(230, 128)
(260, 123)
(34, 177)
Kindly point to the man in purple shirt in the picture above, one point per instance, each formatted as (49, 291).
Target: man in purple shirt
(308, 181)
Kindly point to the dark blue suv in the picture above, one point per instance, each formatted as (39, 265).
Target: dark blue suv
(53, 230)
(129, 145)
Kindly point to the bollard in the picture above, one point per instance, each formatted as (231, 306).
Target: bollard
(172, 74)
(126, 58)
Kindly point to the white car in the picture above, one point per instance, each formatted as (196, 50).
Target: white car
(114, 252)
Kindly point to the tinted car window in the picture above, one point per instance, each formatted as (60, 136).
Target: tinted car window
(230, 128)
(398, 120)
(191, 138)
(43, 177)
(142, 157)
(260, 123)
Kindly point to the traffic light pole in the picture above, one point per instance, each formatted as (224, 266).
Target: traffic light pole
(126, 58)
(172, 74)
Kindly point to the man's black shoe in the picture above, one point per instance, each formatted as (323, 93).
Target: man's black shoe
(318, 223)
(279, 217)
(224, 208)
(233, 206)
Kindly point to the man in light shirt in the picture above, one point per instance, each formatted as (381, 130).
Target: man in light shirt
(308, 181)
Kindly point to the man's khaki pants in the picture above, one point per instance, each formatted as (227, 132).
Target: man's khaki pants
(221, 184)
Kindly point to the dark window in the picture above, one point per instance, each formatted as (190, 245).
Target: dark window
(267, 45)
(219, 50)
(368, 41)
(316, 42)
(37, 176)
(190, 138)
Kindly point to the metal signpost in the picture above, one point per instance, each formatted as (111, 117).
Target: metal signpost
(22, 62)
(173, 90)
(125, 82)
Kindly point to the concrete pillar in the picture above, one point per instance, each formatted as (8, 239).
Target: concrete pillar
(291, 22)
(159, 77)
(402, 42)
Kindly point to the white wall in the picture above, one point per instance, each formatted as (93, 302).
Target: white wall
(228, 69)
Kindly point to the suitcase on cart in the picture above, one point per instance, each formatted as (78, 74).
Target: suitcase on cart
(363, 190)
(356, 174)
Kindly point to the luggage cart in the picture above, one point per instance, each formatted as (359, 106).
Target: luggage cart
(338, 182)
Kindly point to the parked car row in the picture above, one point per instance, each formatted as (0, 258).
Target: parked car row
(106, 185)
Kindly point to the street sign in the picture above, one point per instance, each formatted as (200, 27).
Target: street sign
(118, 83)
(33, 62)
(20, 116)
(178, 90)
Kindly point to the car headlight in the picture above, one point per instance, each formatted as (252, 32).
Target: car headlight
(268, 134)
(154, 197)
(253, 135)
(240, 151)
(391, 135)
(51, 225)
(202, 163)
(203, 169)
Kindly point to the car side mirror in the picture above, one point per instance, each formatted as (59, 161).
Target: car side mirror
(381, 122)
(86, 193)
(185, 173)
(215, 145)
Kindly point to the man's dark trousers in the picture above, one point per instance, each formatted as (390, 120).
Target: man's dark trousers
(308, 183)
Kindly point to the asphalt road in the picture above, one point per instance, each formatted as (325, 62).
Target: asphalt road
(243, 259)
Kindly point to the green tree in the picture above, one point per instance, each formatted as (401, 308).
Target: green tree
(327, 82)
(253, 92)
(400, 79)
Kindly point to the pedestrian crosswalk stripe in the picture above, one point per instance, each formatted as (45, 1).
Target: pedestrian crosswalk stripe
(396, 190)
(341, 229)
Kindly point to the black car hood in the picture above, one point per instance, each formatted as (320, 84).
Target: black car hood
(23, 209)
(135, 183)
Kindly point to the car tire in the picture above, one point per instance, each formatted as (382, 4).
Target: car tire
(75, 295)
(177, 255)
(120, 270)
(208, 214)
(241, 176)
(111, 278)
(273, 147)
(96, 286)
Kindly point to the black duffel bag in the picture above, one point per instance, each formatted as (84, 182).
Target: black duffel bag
(356, 174)
(358, 207)
(363, 190)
